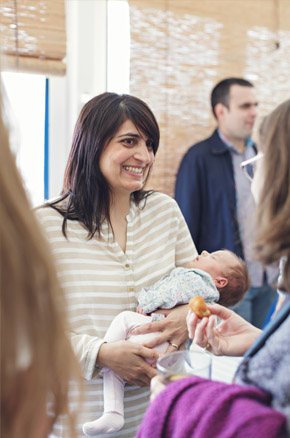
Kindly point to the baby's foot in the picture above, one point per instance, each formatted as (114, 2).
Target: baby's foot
(107, 423)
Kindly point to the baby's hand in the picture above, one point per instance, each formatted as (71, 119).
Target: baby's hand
(140, 310)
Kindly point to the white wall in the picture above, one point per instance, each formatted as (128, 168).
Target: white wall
(85, 78)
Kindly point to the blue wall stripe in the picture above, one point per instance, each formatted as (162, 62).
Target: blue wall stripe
(46, 141)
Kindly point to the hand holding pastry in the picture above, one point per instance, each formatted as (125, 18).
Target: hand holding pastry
(232, 335)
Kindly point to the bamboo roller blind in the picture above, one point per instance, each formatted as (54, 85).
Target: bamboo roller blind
(33, 35)
(181, 49)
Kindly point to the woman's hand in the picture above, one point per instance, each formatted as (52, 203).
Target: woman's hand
(232, 336)
(128, 360)
(172, 329)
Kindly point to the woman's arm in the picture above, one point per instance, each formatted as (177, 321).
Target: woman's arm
(128, 360)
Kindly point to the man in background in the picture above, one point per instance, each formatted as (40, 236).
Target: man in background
(214, 193)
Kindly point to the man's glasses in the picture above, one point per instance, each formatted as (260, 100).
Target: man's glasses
(249, 166)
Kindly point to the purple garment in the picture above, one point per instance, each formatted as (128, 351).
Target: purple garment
(200, 408)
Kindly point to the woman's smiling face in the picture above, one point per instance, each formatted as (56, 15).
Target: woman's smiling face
(126, 160)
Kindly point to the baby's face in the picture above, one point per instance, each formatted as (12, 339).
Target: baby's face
(214, 263)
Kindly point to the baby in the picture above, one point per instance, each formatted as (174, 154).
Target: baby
(220, 277)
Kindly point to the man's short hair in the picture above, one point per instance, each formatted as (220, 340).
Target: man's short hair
(221, 92)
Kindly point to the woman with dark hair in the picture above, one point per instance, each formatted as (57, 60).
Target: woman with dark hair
(258, 403)
(111, 238)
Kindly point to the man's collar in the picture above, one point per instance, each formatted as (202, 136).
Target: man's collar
(248, 141)
(217, 147)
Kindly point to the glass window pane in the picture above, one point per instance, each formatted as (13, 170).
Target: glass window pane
(26, 94)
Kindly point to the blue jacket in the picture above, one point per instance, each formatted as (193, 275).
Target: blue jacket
(205, 192)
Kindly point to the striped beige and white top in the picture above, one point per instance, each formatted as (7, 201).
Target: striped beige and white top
(100, 281)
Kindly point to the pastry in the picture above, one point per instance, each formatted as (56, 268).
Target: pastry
(199, 307)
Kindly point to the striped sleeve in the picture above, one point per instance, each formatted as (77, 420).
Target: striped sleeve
(85, 346)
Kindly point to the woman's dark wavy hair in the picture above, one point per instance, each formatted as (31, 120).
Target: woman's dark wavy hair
(85, 196)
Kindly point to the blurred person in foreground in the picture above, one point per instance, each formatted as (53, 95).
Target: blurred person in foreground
(37, 362)
(258, 402)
